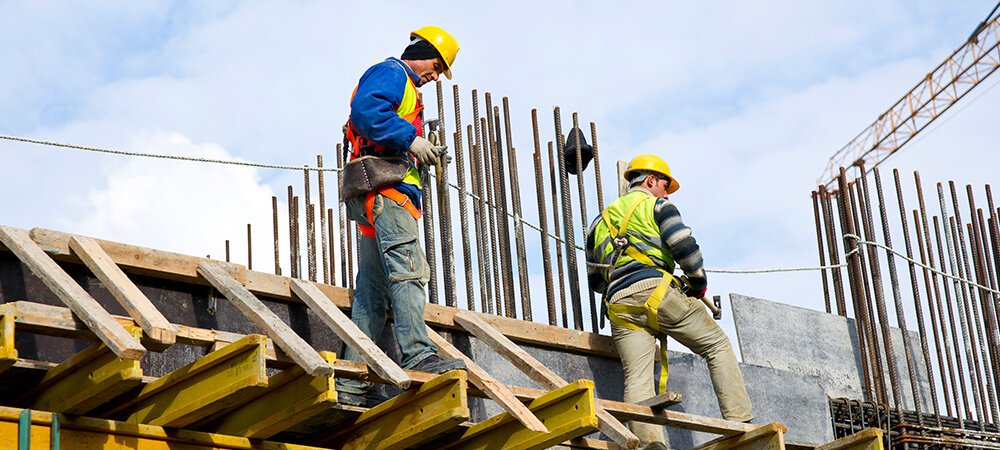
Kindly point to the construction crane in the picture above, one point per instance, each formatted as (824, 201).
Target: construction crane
(929, 99)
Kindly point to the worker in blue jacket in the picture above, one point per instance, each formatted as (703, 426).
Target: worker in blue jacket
(386, 122)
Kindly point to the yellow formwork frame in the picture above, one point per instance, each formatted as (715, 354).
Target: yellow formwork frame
(86, 380)
(868, 439)
(292, 396)
(8, 354)
(84, 433)
(219, 380)
(568, 412)
(764, 437)
(410, 418)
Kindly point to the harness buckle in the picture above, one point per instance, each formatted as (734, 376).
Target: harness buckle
(620, 243)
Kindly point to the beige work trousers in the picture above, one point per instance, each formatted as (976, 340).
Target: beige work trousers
(686, 320)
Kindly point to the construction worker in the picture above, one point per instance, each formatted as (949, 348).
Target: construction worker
(632, 248)
(385, 122)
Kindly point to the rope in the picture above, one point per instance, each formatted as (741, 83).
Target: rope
(856, 238)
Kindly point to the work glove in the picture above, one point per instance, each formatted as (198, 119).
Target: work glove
(694, 286)
(425, 152)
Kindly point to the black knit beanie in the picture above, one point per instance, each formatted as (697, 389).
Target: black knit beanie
(418, 49)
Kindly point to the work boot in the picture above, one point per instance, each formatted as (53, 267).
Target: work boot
(434, 364)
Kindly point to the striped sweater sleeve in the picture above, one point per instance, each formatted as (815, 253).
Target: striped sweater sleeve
(682, 244)
(595, 275)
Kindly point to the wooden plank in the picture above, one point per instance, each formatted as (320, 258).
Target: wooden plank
(179, 267)
(208, 385)
(542, 375)
(490, 385)
(135, 259)
(409, 419)
(591, 444)
(265, 319)
(292, 396)
(125, 291)
(868, 439)
(85, 307)
(348, 332)
(91, 433)
(675, 419)
(569, 412)
(765, 437)
(8, 353)
(85, 381)
(662, 401)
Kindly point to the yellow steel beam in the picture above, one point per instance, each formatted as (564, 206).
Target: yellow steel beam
(869, 439)
(764, 437)
(219, 380)
(84, 433)
(413, 417)
(291, 397)
(8, 354)
(86, 380)
(568, 412)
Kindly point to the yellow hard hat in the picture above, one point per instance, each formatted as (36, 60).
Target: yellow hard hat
(443, 42)
(655, 164)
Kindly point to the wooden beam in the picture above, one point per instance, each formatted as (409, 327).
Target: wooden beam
(675, 419)
(348, 332)
(542, 375)
(8, 353)
(868, 439)
(97, 319)
(490, 385)
(208, 385)
(265, 319)
(765, 437)
(568, 411)
(662, 401)
(85, 381)
(409, 419)
(179, 267)
(91, 433)
(292, 396)
(128, 295)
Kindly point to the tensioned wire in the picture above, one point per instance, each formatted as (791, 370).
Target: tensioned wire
(856, 238)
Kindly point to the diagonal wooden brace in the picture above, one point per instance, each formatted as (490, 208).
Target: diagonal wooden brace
(542, 375)
(83, 305)
(348, 332)
(265, 319)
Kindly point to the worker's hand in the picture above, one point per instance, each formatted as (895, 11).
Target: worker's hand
(697, 286)
(424, 151)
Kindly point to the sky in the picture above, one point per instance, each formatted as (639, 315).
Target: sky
(746, 101)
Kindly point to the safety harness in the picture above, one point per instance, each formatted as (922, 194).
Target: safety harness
(361, 145)
(623, 245)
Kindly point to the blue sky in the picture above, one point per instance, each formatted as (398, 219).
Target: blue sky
(745, 100)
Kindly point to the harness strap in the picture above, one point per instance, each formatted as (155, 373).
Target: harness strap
(392, 194)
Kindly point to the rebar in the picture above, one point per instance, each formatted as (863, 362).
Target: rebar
(854, 281)
(864, 300)
(831, 233)
(574, 276)
(277, 253)
(915, 287)
(470, 294)
(500, 195)
(477, 216)
(483, 217)
(515, 192)
(227, 250)
(959, 298)
(937, 326)
(310, 229)
(344, 224)
(822, 256)
(550, 300)
(444, 208)
(428, 216)
(959, 391)
(298, 237)
(249, 249)
(597, 166)
(333, 267)
(555, 227)
(989, 340)
(972, 310)
(291, 233)
(584, 217)
(322, 221)
(487, 150)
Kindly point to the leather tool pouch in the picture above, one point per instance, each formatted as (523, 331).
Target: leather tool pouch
(369, 173)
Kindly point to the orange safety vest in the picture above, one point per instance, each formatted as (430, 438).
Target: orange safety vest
(409, 110)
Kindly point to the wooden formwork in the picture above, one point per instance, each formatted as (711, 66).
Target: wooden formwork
(275, 385)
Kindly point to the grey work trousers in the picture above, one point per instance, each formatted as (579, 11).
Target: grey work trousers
(685, 320)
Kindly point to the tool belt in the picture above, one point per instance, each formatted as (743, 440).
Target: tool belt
(369, 173)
